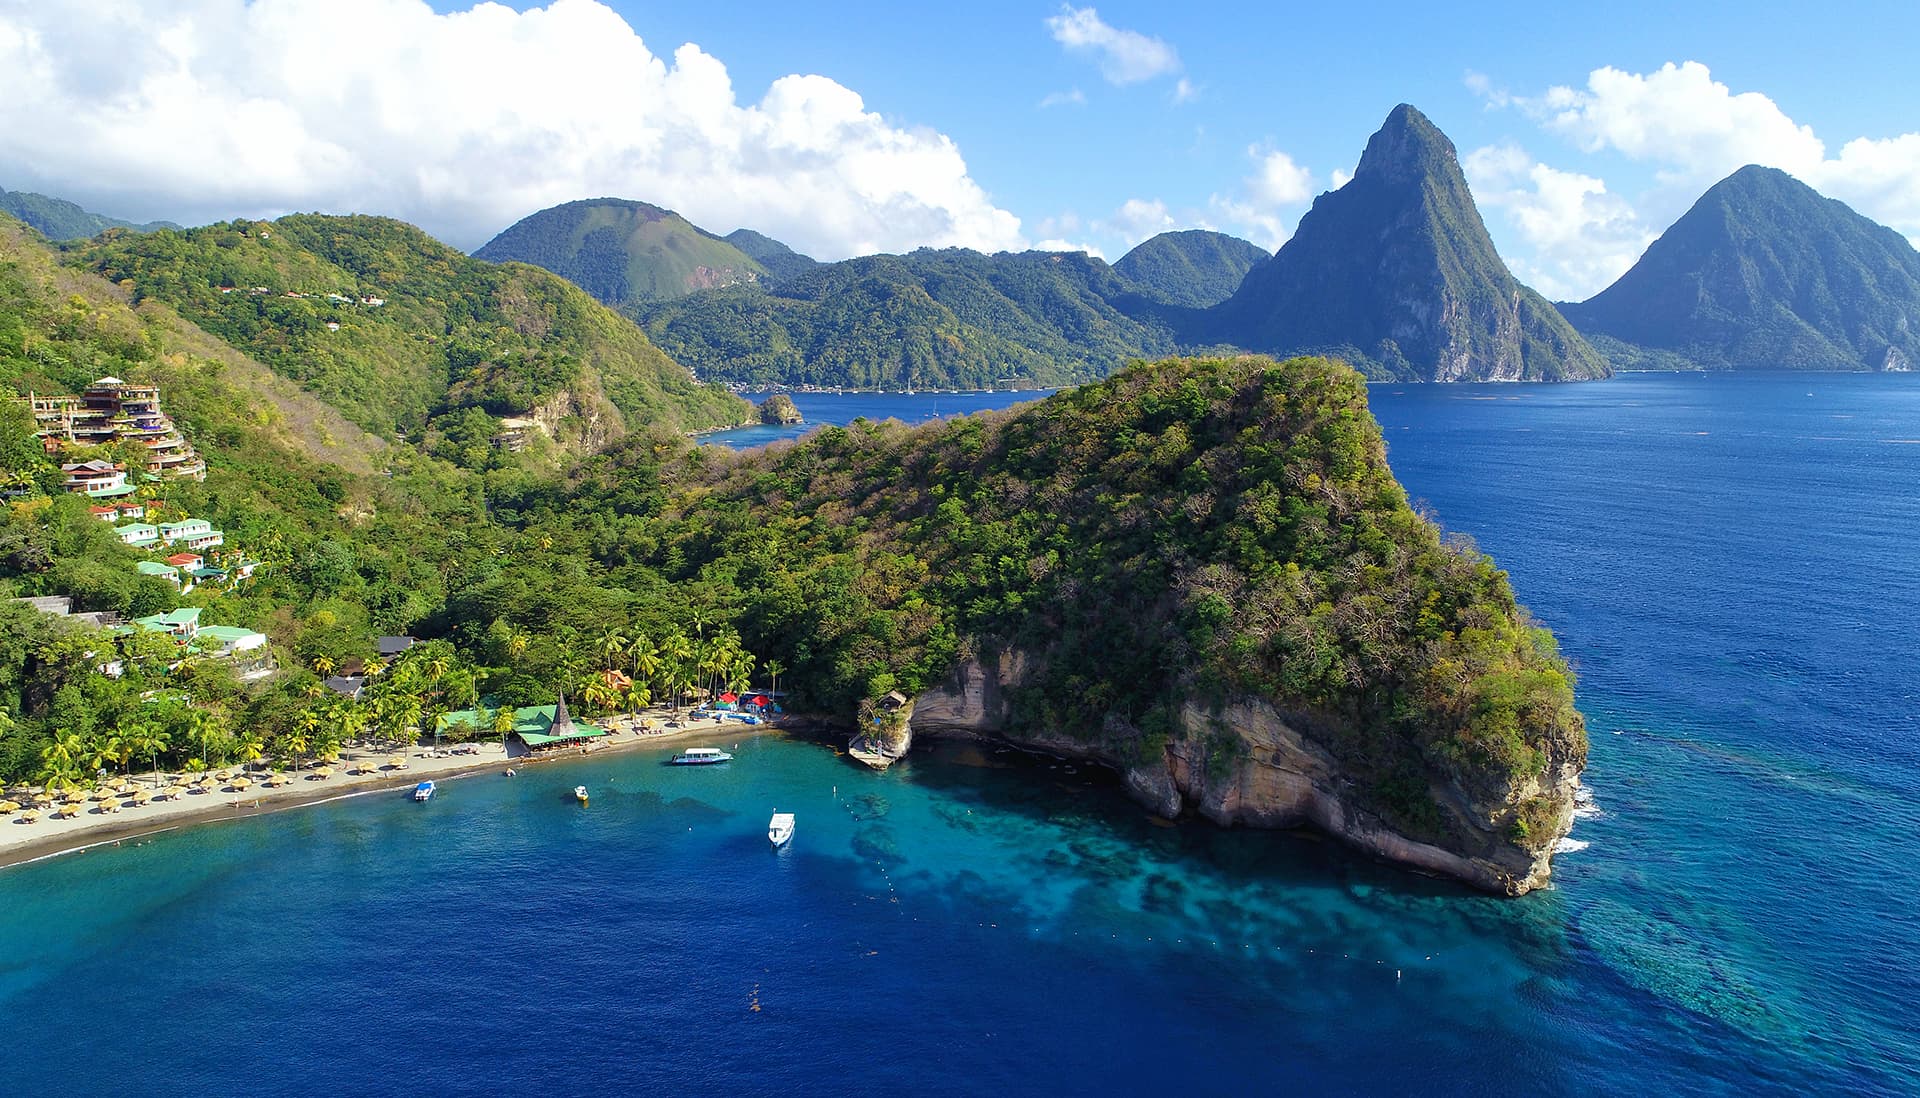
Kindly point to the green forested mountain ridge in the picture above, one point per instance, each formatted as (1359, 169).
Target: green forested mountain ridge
(623, 252)
(780, 261)
(60, 219)
(399, 331)
(951, 318)
(1197, 571)
(1764, 273)
(1194, 267)
(1395, 273)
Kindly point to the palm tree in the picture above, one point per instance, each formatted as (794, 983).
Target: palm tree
(148, 739)
(637, 697)
(60, 761)
(517, 641)
(323, 666)
(591, 693)
(505, 720)
(298, 744)
(774, 668)
(678, 682)
(309, 723)
(252, 749)
(101, 751)
(403, 715)
(646, 658)
(611, 647)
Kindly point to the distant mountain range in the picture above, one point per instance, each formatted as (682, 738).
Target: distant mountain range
(1764, 273)
(58, 219)
(1394, 272)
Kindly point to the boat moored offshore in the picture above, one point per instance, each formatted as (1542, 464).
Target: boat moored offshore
(423, 791)
(701, 756)
(780, 828)
(580, 793)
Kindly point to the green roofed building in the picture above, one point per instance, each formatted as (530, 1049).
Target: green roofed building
(158, 570)
(537, 726)
(183, 624)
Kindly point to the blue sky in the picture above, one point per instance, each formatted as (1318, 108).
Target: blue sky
(864, 126)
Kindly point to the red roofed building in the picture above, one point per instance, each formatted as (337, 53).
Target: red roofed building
(185, 560)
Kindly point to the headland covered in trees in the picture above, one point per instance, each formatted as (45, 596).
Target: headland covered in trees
(1199, 571)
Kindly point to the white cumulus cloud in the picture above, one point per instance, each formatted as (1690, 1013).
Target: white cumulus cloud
(460, 122)
(1137, 219)
(1580, 237)
(1265, 208)
(1695, 130)
(1124, 56)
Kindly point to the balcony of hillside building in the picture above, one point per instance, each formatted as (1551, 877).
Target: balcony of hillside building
(99, 479)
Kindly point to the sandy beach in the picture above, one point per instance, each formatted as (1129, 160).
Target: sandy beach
(358, 771)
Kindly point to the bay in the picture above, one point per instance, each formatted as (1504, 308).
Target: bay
(1729, 562)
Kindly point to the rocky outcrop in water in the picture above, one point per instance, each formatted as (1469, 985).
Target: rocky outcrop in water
(779, 409)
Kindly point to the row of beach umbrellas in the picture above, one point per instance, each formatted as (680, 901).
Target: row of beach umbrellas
(108, 798)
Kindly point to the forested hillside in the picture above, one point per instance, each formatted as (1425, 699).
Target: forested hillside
(623, 252)
(398, 330)
(952, 318)
(1195, 268)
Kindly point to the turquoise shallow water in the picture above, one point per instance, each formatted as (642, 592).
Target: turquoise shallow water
(1728, 560)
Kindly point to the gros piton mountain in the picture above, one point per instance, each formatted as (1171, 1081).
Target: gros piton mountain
(1764, 273)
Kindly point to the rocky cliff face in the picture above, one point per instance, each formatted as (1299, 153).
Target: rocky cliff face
(1395, 273)
(1247, 764)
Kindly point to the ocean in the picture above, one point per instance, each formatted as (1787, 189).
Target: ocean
(1728, 561)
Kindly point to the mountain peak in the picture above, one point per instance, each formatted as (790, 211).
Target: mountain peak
(1407, 146)
(1764, 272)
(1395, 273)
(622, 251)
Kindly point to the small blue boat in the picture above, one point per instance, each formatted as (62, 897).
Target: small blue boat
(423, 791)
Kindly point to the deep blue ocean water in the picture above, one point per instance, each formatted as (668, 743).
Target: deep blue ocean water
(1731, 563)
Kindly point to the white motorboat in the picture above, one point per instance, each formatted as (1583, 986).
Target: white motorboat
(580, 793)
(701, 756)
(780, 828)
(423, 791)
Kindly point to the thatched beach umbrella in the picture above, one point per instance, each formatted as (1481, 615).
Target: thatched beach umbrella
(31, 815)
(398, 762)
(103, 794)
(175, 792)
(242, 783)
(323, 772)
(7, 808)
